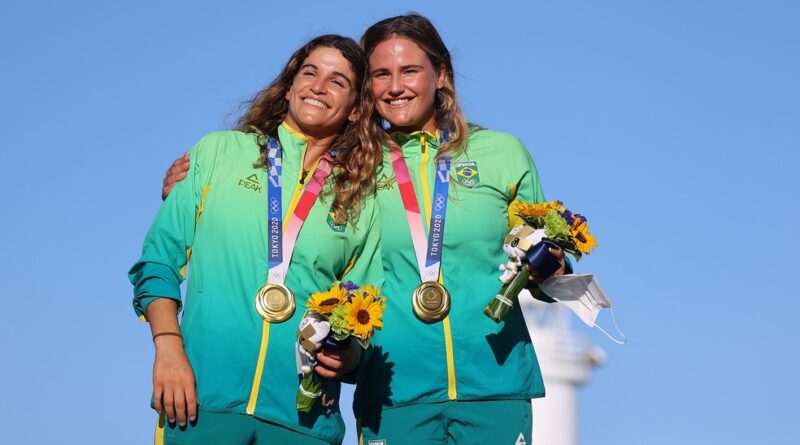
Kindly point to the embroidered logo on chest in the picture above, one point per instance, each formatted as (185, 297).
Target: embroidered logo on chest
(333, 225)
(467, 173)
(384, 182)
(251, 183)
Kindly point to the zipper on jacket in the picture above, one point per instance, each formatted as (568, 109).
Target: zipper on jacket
(262, 352)
(452, 393)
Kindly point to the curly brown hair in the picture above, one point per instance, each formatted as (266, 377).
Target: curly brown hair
(357, 149)
(421, 31)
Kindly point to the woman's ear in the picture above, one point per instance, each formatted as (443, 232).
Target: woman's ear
(440, 78)
(354, 115)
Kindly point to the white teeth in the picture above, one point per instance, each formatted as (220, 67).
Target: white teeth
(315, 103)
(398, 101)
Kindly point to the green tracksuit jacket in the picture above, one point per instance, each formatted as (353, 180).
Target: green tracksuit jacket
(467, 356)
(241, 363)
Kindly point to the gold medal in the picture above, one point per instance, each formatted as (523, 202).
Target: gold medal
(275, 302)
(431, 301)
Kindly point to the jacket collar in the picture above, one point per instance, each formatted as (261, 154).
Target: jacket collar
(412, 143)
(293, 141)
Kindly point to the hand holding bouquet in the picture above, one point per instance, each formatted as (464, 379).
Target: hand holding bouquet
(332, 319)
(537, 228)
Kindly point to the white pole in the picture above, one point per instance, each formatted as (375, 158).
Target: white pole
(566, 359)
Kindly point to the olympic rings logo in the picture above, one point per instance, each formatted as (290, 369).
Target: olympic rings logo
(274, 207)
(439, 202)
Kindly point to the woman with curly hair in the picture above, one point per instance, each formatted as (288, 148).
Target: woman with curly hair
(269, 213)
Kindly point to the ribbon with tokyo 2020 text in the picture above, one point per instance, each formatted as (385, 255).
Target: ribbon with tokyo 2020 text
(429, 255)
(281, 239)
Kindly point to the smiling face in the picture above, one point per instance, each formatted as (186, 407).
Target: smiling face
(404, 84)
(323, 94)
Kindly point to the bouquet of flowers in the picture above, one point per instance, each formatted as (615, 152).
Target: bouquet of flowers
(332, 320)
(535, 229)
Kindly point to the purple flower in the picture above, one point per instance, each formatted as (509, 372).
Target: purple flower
(580, 218)
(350, 285)
(568, 217)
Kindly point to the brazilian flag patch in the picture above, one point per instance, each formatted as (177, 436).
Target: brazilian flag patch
(467, 173)
(332, 222)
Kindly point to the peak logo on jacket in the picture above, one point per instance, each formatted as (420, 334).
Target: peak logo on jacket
(384, 182)
(251, 183)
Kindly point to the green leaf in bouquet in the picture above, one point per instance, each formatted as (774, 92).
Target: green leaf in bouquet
(338, 321)
(568, 245)
(341, 337)
(363, 342)
(555, 226)
(537, 222)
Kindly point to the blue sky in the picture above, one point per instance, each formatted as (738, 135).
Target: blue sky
(673, 125)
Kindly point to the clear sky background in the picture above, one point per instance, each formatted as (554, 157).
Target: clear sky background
(673, 125)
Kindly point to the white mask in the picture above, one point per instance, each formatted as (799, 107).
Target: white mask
(584, 296)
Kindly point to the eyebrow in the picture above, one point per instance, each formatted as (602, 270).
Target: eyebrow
(335, 73)
(402, 68)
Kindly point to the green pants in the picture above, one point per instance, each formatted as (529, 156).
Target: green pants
(212, 428)
(455, 422)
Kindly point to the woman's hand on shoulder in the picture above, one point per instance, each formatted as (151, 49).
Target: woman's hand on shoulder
(176, 172)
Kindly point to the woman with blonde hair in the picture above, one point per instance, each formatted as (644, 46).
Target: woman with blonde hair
(442, 372)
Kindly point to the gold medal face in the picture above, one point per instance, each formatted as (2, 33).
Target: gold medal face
(431, 301)
(275, 302)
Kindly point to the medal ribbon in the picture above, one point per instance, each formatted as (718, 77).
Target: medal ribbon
(429, 256)
(281, 240)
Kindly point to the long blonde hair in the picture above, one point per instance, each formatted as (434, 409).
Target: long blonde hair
(421, 31)
(358, 147)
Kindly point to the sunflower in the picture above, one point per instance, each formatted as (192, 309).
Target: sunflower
(325, 302)
(363, 315)
(518, 210)
(369, 291)
(584, 240)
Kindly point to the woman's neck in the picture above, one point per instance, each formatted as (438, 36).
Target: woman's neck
(316, 146)
(431, 127)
